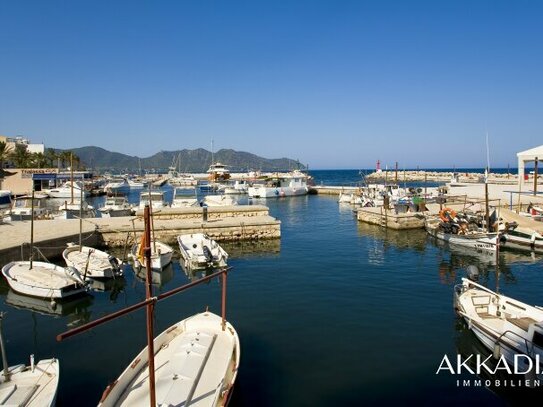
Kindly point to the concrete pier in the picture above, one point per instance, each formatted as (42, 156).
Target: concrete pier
(390, 219)
(332, 190)
(235, 223)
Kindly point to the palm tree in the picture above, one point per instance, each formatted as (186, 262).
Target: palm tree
(38, 160)
(51, 156)
(4, 153)
(20, 156)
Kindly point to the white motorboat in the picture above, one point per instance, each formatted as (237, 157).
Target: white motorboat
(75, 209)
(219, 200)
(43, 280)
(32, 386)
(118, 186)
(198, 251)
(184, 197)
(134, 184)
(239, 187)
(161, 255)
(183, 180)
(281, 185)
(116, 206)
(5, 199)
(196, 363)
(23, 209)
(509, 328)
(67, 190)
(92, 263)
(154, 198)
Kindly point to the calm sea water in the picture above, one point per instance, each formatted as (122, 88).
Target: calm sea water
(335, 313)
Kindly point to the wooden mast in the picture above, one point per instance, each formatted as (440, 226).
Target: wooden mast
(150, 308)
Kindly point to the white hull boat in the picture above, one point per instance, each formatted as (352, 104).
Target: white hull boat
(504, 325)
(184, 197)
(155, 199)
(22, 208)
(117, 187)
(115, 207)
(161, 255)
(480, 241)
(196, 364)
(91, 262)
(291, 184)
(66, 191)
(520, 239)
(200, 251)
(219, 200)
(44, 280)
(31, 386)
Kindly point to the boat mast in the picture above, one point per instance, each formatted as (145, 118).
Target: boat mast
(487, 210)
(150, 306)
(6, 373)
(80, 217)
(32, 227)
(72, 176)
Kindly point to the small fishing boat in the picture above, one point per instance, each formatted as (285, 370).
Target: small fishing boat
(518, 238)
(200, 251)
(161, 254)
(32, 386)
(461, 232)
(92, 263)
(240, 187)
(196, 361)
(115, 207)
(507, 327)
(44, 280)
(75, 209)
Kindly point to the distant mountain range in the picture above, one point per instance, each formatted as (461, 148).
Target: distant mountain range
(185, 160)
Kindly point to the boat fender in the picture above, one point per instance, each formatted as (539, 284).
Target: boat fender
(207, 254)
(114, 263)
(473, 272)
(447, 214)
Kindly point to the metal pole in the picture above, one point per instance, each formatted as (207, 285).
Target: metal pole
(132, 308)
(396, 173)
(487, 209)
(80, 218)
(72, 176)
(152, 224)
(32, 227)
(150, 309)
(535, 176)
(4, 357)
(223, 302)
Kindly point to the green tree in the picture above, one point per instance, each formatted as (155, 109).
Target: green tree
(20, 156)
(38, 160)
(51, 156)
(4, 153)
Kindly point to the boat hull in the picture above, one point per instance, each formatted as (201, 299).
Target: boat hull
(269, 192)
(196, 354)
(193, 255)
(99, 263)
(44, 280)
(159, 258)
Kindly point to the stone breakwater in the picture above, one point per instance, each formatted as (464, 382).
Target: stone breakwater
(435, 176)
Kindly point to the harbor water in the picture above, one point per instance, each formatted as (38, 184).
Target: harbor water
(335, 313)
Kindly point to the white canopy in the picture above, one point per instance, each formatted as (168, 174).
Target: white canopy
(528, 156)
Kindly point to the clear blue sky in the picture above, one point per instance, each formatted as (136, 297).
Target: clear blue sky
(336, 84)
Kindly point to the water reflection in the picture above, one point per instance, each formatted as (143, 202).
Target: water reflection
(159, 278)
(266, 248)
(114, 286)
(76, 307)
(413, 239)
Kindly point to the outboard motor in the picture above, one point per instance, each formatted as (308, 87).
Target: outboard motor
(473, 273)
(114, 264)
(74, 274)
(207, 254)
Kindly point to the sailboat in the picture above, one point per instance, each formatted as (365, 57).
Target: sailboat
(161, 253)
(194, 362)
(34, 385)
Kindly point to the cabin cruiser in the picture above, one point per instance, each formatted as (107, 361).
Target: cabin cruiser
(68, 190)
(280, 185)
(117, 187)
(218, 172)
(76, 209)
(23, 208)
(155, 198)
(116, 206)
(184, 197)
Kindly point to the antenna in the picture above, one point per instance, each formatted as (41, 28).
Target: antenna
(487, 153)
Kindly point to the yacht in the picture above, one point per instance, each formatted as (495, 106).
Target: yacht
(280, 185)
(117, 187)
(218, 172)
(68, 190)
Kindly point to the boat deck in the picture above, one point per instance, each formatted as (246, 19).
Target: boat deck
(39, 276)
(190, 373)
